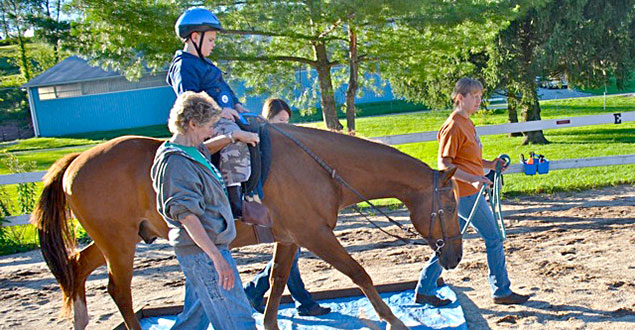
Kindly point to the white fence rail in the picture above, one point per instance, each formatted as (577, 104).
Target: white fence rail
(616, 118)
(21, 177)
(16, 220)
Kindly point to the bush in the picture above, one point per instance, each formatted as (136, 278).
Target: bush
(17, 238)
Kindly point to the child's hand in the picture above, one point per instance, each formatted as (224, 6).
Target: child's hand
(229, 113)
(246, 137)
(240, 108)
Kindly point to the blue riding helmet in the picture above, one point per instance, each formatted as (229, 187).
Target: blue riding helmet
(196, 19)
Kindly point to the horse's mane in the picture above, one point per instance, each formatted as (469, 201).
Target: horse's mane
(343, 143)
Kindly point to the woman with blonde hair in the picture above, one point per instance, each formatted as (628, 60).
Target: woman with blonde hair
(192, 199)
(460, 146)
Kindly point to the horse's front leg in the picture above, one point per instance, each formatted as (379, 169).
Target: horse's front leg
(282, 261)
(324, 244)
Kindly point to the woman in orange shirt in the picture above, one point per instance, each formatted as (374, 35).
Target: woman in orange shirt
(460, 146)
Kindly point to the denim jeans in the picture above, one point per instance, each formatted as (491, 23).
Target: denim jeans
(485, 224)
(260, 284)
(206, 302)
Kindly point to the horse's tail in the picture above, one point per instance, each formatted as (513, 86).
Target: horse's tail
(57, 238)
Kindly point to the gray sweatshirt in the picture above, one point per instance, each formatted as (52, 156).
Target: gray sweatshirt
(185, 186)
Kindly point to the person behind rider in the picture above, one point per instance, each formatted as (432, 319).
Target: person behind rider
(278, 111)
(190, 70)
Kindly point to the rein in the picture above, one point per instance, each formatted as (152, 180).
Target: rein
(436, 245)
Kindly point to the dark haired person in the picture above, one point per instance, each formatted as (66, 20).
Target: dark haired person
(278, 111)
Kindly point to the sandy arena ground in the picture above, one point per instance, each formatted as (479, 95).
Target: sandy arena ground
(573, 252)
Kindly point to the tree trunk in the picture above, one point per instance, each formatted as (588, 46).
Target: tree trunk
(327, 96)
(531, 111)
(352, 81)
(26, 68)
(56, 52)
(512, 111)
(58, 7)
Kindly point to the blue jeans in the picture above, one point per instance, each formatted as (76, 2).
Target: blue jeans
(206, 302)
(485, 224)
(260, 284)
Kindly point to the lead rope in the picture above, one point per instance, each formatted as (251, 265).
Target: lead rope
(495, 203)
(340, 180)
(494, 200)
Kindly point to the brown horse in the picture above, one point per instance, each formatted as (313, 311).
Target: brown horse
(108, 189)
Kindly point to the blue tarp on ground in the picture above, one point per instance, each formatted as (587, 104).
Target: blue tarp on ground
(357, 313)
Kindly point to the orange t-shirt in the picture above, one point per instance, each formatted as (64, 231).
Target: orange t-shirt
(458, 141)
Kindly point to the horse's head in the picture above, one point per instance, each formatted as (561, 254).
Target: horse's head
(437, 218)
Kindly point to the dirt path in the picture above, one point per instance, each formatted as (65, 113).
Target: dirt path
(573, 252)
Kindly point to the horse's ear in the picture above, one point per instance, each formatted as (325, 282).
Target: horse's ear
(447, 174)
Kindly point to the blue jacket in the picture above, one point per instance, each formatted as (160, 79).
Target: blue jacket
(188, 73)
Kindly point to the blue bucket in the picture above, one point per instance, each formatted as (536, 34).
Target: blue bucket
(543, 167)
(530, 169)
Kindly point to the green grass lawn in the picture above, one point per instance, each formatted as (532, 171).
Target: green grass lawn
(34, 144)
(611, 87)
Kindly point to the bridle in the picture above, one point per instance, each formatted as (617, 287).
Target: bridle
(438, 205)
(436, 245)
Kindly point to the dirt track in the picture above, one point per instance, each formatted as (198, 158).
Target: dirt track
(573, 252)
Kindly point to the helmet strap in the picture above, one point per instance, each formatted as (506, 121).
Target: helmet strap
(200, 45)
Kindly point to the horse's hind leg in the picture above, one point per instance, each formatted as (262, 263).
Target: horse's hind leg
(88, 259)
(282, 261)
(324, 244)
(120, 267)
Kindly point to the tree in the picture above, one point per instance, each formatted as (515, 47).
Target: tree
(516, 63)
(353, 73)
(588, 41)
(14, 13)
(452, 42)
(274, 45)
(328, 38)
(592, 41)
(49, 25)
(267, 42)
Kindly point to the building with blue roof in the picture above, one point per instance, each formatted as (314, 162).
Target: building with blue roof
(75, 97)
